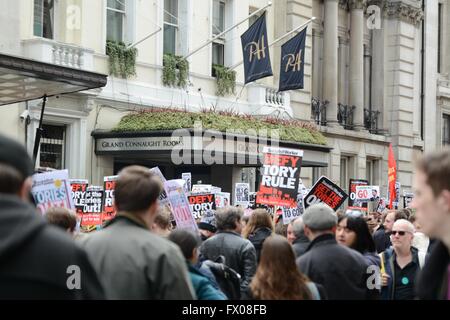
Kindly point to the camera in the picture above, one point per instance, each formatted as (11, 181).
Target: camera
(25, 116)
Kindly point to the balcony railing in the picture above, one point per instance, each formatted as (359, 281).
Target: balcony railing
(59, 53)
(319, 111)
(371, 120)
(345, 116)
(274, 97)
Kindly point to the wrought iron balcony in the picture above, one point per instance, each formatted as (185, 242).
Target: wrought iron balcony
(319, 111)
(345, 116)
(371, 120)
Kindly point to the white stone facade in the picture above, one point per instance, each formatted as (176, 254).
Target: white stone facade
(346, 63)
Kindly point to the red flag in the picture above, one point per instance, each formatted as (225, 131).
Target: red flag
(392, 175)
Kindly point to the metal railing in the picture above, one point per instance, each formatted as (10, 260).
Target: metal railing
(345, 116)
(319, 111)
(371, 120)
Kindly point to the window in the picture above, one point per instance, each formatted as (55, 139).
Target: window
(372, 167)
(315, 174)
(115, 20)
(44, 18)
(52, 147)
(170, 26)
(446, 129)
(218, 26)
(344, 178)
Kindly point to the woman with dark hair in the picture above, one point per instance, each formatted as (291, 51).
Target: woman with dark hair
(353, 232)
(277, 276)
(258, 228)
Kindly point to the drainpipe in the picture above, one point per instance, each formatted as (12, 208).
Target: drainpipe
(422, 58)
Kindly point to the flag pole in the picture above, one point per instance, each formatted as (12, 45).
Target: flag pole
(227, 30)
(151, 34)
(279, 39)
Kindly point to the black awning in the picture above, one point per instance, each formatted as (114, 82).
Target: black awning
(23, 79)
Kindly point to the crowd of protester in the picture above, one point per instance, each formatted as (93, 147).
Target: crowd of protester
(140, 255)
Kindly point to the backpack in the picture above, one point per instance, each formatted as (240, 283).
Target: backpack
(228, 279)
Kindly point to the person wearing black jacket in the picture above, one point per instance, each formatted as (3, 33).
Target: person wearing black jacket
(37, 260)
(258, 229)
(431, 185)
(342, 271)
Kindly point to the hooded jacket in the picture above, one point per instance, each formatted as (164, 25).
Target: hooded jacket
(38, 260)
(257, 239)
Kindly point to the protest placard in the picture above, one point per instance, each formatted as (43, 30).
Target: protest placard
(92, 211)
(52, 189)
(241, 194)
(290, 214)
(352, 201)
(407, 198)
(381, 206)
(200, 203)
(78, 188)
(109, 185)
(187, 177)
(222, 199)
(325, 191)
(201, 188)
(163, 196)
(180, 205)
(367, 193)
(280, 177)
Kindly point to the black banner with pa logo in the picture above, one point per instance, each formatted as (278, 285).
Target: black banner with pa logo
(293, 62)
(255, 50)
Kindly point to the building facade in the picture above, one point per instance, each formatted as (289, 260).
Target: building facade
(376, 72)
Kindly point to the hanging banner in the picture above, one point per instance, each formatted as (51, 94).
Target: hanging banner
(293, 62)
(392, 176)
(180, 205)
(186, 176)
(242, 194)
(92, 211)
(367, 193)
(201, 203)
(255, 50)
(52, 189)
(78, 187)
(352, 201)
(222, 199)
(281, 177)
(325, 191)
(109, 185)
(163, 196)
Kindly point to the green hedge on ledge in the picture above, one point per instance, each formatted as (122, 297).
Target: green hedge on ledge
(289, 130)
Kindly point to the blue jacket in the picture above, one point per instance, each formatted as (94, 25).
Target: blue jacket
(387, 292)
(203, 287)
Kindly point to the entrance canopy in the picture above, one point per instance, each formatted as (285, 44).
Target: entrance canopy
(23, 79)
(198, 148)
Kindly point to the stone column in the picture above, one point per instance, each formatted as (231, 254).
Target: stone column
(356, 83)
(330, 59)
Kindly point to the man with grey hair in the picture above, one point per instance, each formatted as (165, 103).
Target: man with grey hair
(239, 253)
(400, 263)
(341, 270)
(301, 241)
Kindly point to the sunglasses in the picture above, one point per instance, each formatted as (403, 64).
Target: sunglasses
(400, 233)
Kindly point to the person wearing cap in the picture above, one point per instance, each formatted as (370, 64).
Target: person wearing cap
(37, 260)
(341, 270)
(207, 225)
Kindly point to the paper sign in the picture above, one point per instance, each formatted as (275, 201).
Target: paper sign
(109, 185)
(200, 203)
(242, 194)
(325, 191)
(180, 205)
